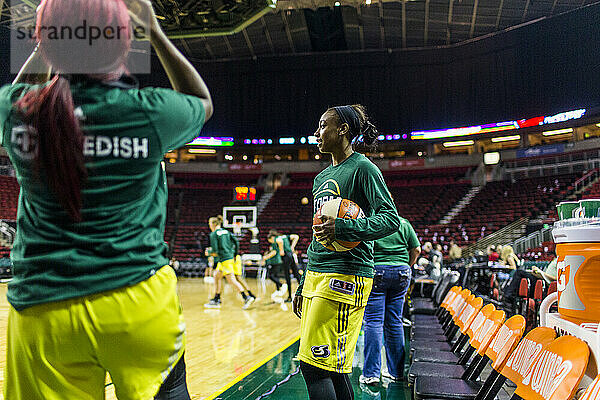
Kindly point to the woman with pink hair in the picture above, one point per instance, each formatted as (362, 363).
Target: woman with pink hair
(92, 290)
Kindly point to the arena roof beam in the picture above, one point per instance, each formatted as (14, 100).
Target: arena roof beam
(361, 32)
(267, 34)
(228, 44)
(525, 10)
(249, 43)
(381, 23)
(426, 30)
(473, 18)
(209, 49)
(287, 31)
(449, 27)
(500, 13)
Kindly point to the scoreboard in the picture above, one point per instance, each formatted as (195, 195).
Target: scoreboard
(244, 194)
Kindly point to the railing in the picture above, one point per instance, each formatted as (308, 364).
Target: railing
(585, 180)
(534, 239)
(495, 237)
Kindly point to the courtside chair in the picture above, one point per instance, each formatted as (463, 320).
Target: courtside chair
(463, 353)
(495, 346)
(556, 372)
(517, 365)
(456, 307)
(453, 364)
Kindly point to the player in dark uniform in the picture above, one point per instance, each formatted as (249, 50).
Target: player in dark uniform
(333, 292)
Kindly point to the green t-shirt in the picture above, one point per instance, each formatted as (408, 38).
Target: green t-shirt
(287, 244)
(276, 259)
(223, 243)
(393, 249)
(120, 239)
(359, 180)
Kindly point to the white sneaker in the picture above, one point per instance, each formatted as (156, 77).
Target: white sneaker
(248, 302)
(387, 375)
(283, 289)
(209, 279)
(213, 304)
(373, 380)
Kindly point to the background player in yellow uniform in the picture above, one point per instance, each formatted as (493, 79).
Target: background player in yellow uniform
(238, 271)
(92, 291)
(334, 290)
(223, 245)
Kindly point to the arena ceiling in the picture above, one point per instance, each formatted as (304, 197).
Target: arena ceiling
(229, 29)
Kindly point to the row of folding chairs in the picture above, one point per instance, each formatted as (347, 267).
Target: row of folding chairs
(450, 349)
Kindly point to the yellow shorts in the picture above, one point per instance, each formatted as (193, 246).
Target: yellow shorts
(62, 350)
(226, 267)
(237, 266)
(333, 307)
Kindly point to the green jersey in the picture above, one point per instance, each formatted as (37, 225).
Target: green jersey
(120, 239)
(393, 249)
(287, 244)
(223, 243)
(359, 180)
(276, 259)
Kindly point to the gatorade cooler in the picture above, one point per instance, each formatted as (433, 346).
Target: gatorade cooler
(578, 269)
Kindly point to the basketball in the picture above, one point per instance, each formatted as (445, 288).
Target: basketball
(339, 208)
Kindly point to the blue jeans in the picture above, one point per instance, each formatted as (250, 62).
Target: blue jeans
(383, 318)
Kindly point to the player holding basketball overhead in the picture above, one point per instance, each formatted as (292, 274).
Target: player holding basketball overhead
(334, 290)
(92, 290)
(223, 248)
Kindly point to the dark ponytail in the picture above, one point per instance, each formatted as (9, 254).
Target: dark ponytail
(365, 140)
(50, 112)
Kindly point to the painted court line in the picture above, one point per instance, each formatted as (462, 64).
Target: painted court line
(252, 369)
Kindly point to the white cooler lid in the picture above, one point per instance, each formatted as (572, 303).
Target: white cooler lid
(580, 231)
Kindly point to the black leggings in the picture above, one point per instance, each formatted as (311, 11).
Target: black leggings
(174, 387)
(272, 274)
(326, 385)
(289, 263)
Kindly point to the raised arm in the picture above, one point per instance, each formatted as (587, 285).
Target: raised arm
(30, 71)
(183, 76)
(294, 240)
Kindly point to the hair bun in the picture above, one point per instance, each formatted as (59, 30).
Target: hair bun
(369, 133)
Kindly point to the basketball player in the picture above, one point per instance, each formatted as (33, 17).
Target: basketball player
(333, 292)
(274, 262)
(286, 245)
(92, 289)
(237, 271)
(223, 249)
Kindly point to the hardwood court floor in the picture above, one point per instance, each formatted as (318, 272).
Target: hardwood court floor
(222, 344)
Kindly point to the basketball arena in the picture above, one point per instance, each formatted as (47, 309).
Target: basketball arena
(300, 199)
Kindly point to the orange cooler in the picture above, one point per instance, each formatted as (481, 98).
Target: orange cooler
(578, 270)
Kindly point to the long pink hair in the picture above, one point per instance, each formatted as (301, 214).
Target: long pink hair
(50, 109)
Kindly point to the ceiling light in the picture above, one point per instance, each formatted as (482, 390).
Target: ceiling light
(557, 132)
(459, 143)
(202, 151)
(506, 138)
